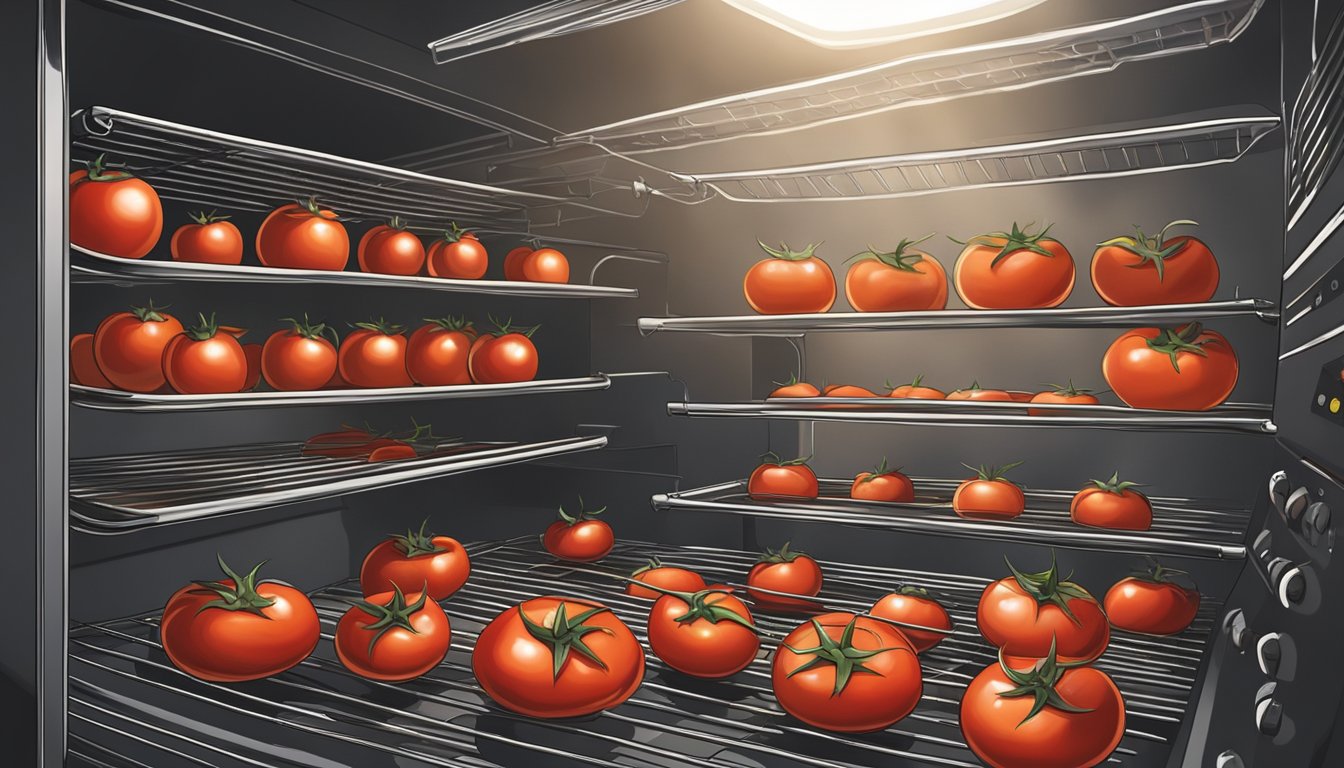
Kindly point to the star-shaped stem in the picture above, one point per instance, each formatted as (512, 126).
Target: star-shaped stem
(1039, 683)
(394, 613)
(847, 659)
(1047, 587)
(565, 634)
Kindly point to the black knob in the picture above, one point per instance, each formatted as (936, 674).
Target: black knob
(1292, 587)
(1269, 717)
(1229, 759)
(1234, 624)
(1279, 490)
(1317, 518)
(1268, 653)
(1296, 503)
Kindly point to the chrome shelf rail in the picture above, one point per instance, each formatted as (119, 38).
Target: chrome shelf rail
(119, 493)
(1316, 125)
(928, 78)
(1183, 527)
(123, 685)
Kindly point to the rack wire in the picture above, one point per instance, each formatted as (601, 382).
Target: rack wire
(931, 77)
(122, 685)
(1316, 121)
(125, 492)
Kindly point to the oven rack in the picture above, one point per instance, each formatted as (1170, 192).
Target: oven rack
(932, 77)
(1315, 125)
(126, 492)
(1181, 526)
(122, 684)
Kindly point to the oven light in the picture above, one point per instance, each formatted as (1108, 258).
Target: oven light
(852, 23)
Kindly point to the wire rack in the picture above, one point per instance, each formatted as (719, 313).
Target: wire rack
(932, 77)
(1181, 526)
(1316, 123)
(118, 493)
(123, 689)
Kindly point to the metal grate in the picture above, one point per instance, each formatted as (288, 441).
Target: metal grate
(1316, 123)
(122, 687)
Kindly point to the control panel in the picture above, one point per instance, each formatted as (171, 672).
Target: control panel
(1328, 398)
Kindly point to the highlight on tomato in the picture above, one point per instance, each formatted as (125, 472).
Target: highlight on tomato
(374, 355)
(789, 282)
(662, 577)
(977, 392)
(883, 484)
(1135, 270)
(390, 249)
(364, 443)
(579, 537)
(238, 628)
(1066, 395)
(794, 574)
(1152, 602)
(846, 390)
(458, 255)
(1112, 503)
(1014, 270)
(503, 355)
(707, 634)
(903, 280)
(303, 235)
(1048, 715)
(847, 673)
(923, 620)
(990, 495)
(392, 637)
(1187, 368)
(83, 365)
(777, 478)
(544, 265)
(916, 390)
(201, 360)
(437, 352)
(553, 657)
(113, 212)
(128, 347)
(413, 561)
(1027, 614)
(209, 239)
(794, 388)
(300, 358)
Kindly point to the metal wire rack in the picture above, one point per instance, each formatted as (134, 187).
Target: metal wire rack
(1316, 122)
(1181, 526)
(123, 691)
(932, 77)
(125, 492)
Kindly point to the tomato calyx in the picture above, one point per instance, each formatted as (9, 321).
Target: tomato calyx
(700, 608)
(793, 379)
(395, 613)
(784, 555)
(773, 459)
(897, 258)
(454, 233)
(788, 254)
(416, 543)
(910, 590)
(653, 564)
(1115, 484)
(1016, 240)
(994, 474)
(1069, 390)
(1046, 587)
(150, 314)
(1154, 250)
(915, 384)
(847, 659)
(310, 330)
(207, 328)
(1156, 573)
(1173, 341)
(203, 218)
(101, 170)
(584, 514)
(564, 635)
(397, 223)
(242, 595)
(507, 327)
(310, 205)
(451, 323)
(879, 471)
(380, 326)
(1039, 682)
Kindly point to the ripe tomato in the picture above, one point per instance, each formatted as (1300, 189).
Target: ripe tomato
(83, 367)
(989, 495)
(1068, 395)
(374, 356)
(789, 282)
(915, 391)
(544, 265)
(210, 239)
(1048, 716)
(847, 673)
(114, 213)
(303, 236)
(436, 354)
(1134, 271)
(882, 484)
(1026, 613)
(390, 249)
(847, 390)
(300, 358)
(557, 657)
(776, 478)
(128, 347)
(795, 573)
(1171, 369)
(707, 634)
(391, 450)
(203, 360)
(350, 441)
(794, 388)
(458, 255)
(503, 355)
(253, 354)
(664, 577)
(513, 262)
(975, 392)
(579, 538)
(416, 561)
(393, 637)
(1112, 504)
(903, 280)
(1151, 603)
(1014, 270)
(912, 607)
(238, 628)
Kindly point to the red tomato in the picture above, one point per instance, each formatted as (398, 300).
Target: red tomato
(1014, 270)
(203, 360)
(706, 634)
(1049, 716)
(347, 442)
(1068, 395)
(390, 249)
(579, 538)
(544, 265)
(1112, 504)
(458, 255)
(393, 450)
(303, 236)
(664, 577)
(795, 573)
(128, 347)
(253, 354)
(883, 484)
(113, 213)
(794, 388)
(989, 495)
(210, 239)
(557, 657)
(789, 282)
(911, 607)
(915, 391)
(393, 637)
(847, 673)
(1171, 369)
(1134, 271)
(1024, 614)
(374, 356)
(238, 628)
(436, 354)
(975, 392)
(300, 358)
(513, 262)
(416, 561)
(847, 390)
(503, 355)
(776, 478)
(1152, 603)
(903, 280)
(83, 367)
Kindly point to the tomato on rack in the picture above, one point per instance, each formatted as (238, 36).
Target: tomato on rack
(903, 280)
(544, 265)
(1027, 614)
(794, 388)
(916, 390)
(205, 359)
(393, 637)
(209, 239)
(374, 355)
(707, 634)
(793, 573)
(976, 392)
(1014, 270)
(776, 478)
(580, 537)
(390, 249)
(662, 576)
(917, 616)
(112, 212)
(1067, 395)
(1151, 602)
(303, 236)
(989, 495)
(458, 255)
(883, 484)
(83, 366)
(1112, 504)
(846, 390)
(128, 347)
(437, 352)
(503, 355)
(416, 561)
(253, 354)
(513, 263)
(300, 358)
(1130, 271)
(789, 282)
(1172, 369)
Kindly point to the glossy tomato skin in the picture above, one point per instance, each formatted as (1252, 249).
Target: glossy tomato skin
(1124, 279)
(917, 609)
(129, 351)
(253, 354)
(890, 486)
(83, 367)
(390, 251)
(779, 286)
(988, 500)
(440, 573)
(874, 286)
(993, 728)
(667, 577)
(1081, 398)
(212, 366)
(1125, 511)
(121, 217)
(868, 702)
(1151, 607)
(1023, 279)
(216, 242)
(371, 358)
(544, 265)
(796, 481)
(797, 389)
(916, 392)
(700, 648)
(502, 359)
(293, 362)
(515, 669)
(984, 395)
(1014, 621)
(436, 355)
(461, 259)
(847, 390)
(799, 576)
(398, 654)
(294, 237)
(513, 262)
(585, 541)
(1145, 378)
(230, 646)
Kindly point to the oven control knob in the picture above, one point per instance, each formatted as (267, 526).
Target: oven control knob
(1268, 653)
(1317, 517)
(1229, 759)
(1279, 490)
(1289, 581)
(1268, 711)
(1234, 624)
(1296, 503)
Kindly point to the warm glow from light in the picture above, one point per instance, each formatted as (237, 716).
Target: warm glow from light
(846, 23)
